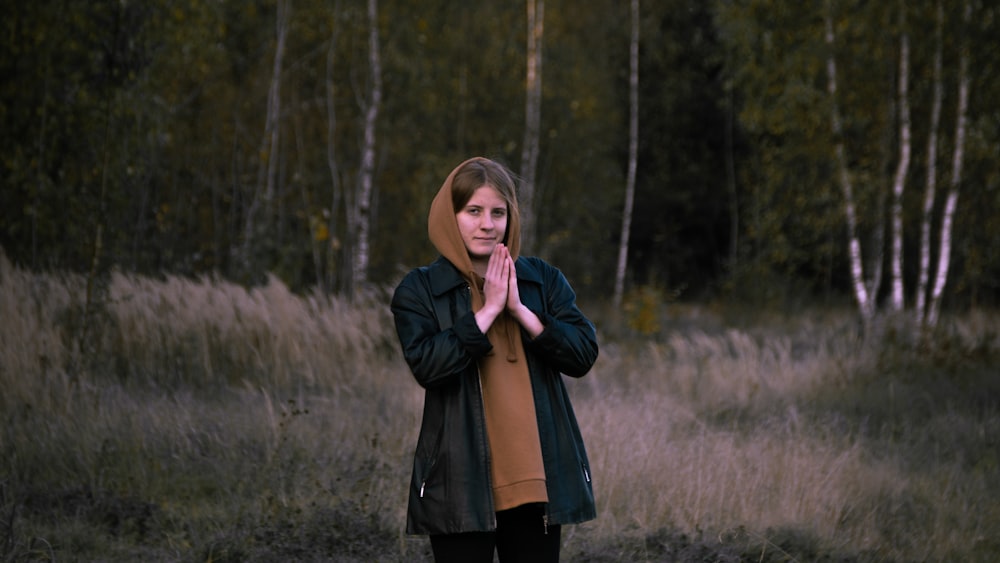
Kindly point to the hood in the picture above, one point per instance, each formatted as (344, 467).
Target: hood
(443, 228)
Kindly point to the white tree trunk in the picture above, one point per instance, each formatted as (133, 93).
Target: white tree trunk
(532, 120)
(944, 255)
(930, 189)
(899, 179)
(633, 155)
(864, 298)
(366, 172)
(270, 142)
(274, 99)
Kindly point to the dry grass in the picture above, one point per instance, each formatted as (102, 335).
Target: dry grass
(195, 420)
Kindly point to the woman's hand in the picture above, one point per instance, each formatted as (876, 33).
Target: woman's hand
(529, 320)
(500, 293)
(495, 287)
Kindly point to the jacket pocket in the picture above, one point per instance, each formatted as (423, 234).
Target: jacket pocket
(426, 474)
(428, 460)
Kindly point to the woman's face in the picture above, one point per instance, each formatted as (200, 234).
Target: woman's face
(482, 222)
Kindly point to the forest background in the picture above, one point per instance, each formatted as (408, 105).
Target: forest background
(198, 137)
(204, 204)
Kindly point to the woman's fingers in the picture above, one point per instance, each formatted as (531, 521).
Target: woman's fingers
(495, 287)
(513, 295)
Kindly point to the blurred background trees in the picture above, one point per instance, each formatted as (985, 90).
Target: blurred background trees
(199, 136)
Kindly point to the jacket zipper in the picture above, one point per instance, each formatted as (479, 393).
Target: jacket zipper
(482, 404)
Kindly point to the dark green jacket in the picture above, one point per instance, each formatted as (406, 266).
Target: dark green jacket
(450, 489)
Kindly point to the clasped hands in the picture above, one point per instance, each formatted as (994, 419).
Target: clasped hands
(500, 293)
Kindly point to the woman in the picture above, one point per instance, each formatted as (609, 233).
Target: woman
(500, 463)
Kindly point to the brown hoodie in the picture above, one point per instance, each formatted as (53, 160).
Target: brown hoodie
(511, 425)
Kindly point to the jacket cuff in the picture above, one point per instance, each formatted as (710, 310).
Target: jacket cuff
(468, 333)
(548, 325)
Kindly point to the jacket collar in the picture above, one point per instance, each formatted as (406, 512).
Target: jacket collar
(443, 276)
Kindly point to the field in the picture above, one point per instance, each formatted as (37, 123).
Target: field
(191, 420)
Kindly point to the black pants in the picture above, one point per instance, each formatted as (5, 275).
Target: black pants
(521, 537)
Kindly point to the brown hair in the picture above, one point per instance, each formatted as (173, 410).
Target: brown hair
(481, 172)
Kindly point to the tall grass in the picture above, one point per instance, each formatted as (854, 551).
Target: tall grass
(195, 420)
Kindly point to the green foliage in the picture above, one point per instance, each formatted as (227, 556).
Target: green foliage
(791, 205)
(145, 122)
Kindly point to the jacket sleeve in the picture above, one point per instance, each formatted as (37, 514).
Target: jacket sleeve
(569, 341)
(435, 356)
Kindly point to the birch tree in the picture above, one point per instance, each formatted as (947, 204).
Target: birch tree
(270, 141)
(930, 188)
(532, 120)
(864, 289)
(903, 165)
(945, 240)
(633, 155)
(361, 215)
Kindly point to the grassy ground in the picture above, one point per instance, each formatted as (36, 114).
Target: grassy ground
(180, 420)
